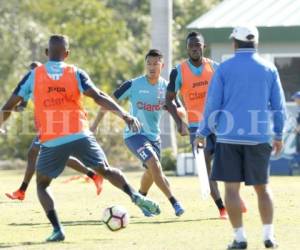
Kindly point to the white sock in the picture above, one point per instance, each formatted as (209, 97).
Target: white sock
(268, 232)
(239, 234)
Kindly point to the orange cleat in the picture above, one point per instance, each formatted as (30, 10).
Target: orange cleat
(98, 180)
(223, 214)
(17, 195)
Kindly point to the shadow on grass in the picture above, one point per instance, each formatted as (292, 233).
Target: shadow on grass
(176, 220)
(28, 243)
(65, 223)
(97, 223)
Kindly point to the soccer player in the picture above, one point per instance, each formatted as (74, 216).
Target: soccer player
(34, 149)
(191, 78)
(146, 94)
(245, 91)
(57, 89)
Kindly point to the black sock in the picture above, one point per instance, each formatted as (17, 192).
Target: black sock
(128, 190)
(52, 216)
(172, 200)
(24, 186)
(219, 203)
(142, 193)
(90, 174)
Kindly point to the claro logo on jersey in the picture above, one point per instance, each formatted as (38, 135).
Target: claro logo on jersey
(149, 107)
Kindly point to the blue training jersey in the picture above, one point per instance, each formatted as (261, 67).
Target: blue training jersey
(146, 104)
(55, 70)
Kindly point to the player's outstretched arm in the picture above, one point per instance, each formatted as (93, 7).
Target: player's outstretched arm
(109, 104)
(172, 109)
(8, 107)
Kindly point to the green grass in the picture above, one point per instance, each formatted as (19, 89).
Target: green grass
(23, 225)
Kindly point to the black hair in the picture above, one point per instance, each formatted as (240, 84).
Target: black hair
(193, 34)
(54, 39)
(154, 53)
(245, 45)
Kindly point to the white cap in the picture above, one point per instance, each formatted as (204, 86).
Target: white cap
(245, 33)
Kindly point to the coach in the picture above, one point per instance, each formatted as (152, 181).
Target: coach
(244, 96)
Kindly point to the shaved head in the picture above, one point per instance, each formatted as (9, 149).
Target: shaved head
(58, 47)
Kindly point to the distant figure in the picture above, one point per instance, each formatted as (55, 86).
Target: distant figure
(296, 98)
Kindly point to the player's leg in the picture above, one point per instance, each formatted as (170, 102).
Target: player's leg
(50, 164)
(159, 178)
(91, 154)
(208, 154)
(146, 182)
(29, 171)
(149, 153)
(257, 174)
(47, 202)
(232, 201)
(228, 167)
(79, 167)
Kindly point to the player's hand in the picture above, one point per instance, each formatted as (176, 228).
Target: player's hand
(2, 131)
(277, 146)
(19, 108)
(132, 123)
(183, 128)
(199, 142)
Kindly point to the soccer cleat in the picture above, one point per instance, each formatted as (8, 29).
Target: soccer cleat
(146, 213)
(237, 245)
(146, 204)
(17, 195)
(98, 181)
(223, 214)
(57, 235)
(178, 209)
(270, 244)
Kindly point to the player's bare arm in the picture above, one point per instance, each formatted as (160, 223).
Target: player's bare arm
(8, 107)
(182, 127)
(108, 103)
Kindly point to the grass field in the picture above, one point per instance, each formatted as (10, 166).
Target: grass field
(23, 225)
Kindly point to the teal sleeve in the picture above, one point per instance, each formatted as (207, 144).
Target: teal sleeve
(27, 88)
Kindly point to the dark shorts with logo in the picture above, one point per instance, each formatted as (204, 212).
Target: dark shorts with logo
(52, 160)
(242, 163)
(143, 148)
(210, 141)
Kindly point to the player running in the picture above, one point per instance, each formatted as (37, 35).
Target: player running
(191, 78)
(146, 94)
(34, 149)
(64, 130)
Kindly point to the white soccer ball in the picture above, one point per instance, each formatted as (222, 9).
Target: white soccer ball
(115, 217)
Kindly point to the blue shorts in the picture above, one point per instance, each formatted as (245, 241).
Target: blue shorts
(210, 141)
(242, 163)
(143, 148)
(52, 160)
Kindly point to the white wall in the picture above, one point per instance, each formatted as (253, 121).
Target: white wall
(219, 49)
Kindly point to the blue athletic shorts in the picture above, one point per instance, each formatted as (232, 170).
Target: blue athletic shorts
(143, 148)
(52, 160)
(242, 163)
(210, 141)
